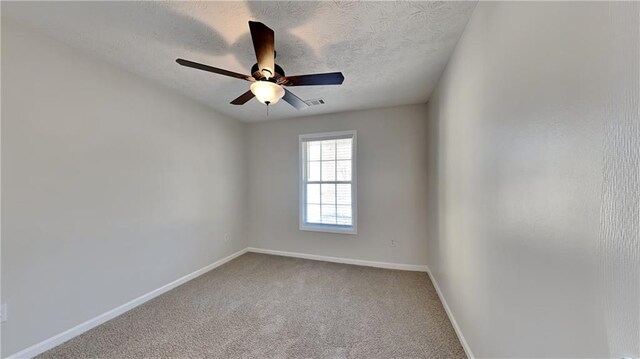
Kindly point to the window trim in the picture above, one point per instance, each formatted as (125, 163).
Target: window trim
(353, 229)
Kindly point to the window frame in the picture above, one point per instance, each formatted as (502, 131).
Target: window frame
(302, 162)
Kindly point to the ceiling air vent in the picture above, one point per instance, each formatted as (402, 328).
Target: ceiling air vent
(315, 102)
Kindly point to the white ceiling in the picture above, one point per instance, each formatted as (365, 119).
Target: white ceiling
(391, 53)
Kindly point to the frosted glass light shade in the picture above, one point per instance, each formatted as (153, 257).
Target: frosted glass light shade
(267, 92)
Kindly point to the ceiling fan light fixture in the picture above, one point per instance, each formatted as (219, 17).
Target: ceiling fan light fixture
(267, 92)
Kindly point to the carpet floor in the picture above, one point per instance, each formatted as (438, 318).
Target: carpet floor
(263, 306)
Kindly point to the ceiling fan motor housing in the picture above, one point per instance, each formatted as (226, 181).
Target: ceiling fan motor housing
(257, 74)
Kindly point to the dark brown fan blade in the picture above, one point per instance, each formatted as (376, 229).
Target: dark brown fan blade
(208, 68)
(264, 45)
(242, 99)
(294, 100)
(331, 78)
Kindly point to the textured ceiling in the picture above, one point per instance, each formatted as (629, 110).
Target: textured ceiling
(391, 53)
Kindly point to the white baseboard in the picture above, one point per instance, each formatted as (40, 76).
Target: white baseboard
(58, 339)
(358, 262)
(463, 341)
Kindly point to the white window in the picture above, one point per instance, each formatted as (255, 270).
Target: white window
(328, 182)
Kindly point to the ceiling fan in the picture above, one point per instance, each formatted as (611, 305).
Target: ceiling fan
(268, 79)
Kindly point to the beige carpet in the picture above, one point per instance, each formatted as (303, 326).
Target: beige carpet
(262, 306)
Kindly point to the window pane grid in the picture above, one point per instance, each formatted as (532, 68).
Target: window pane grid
(328, 167)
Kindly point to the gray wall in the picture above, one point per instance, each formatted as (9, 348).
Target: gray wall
(112, 187)
(535, 97)
(391, 171)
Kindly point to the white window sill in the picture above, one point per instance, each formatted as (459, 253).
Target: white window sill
(328, 228)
